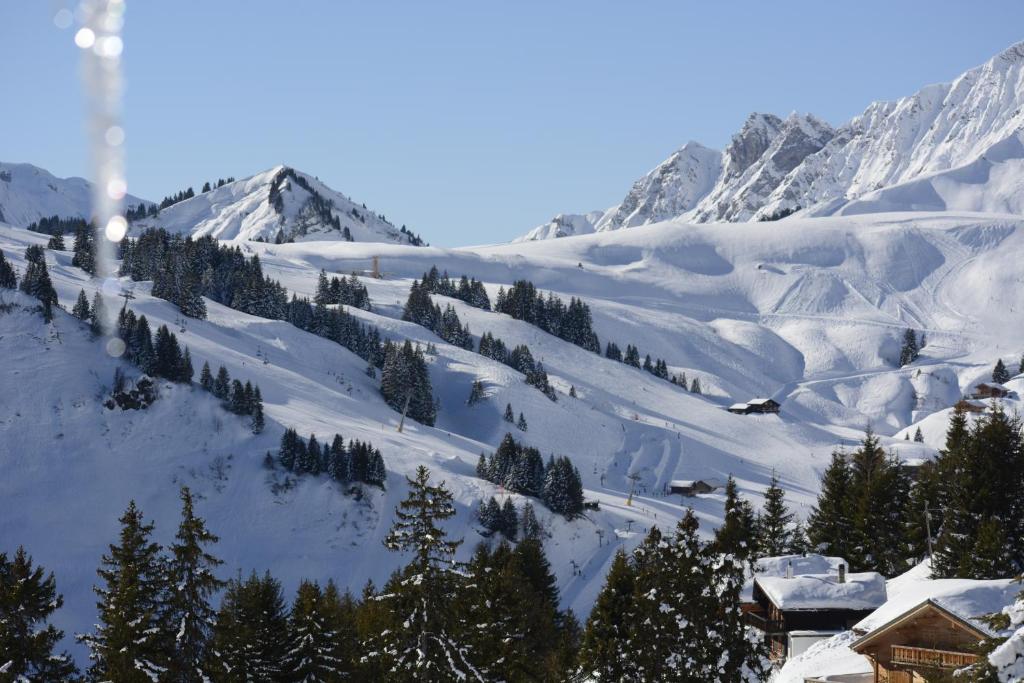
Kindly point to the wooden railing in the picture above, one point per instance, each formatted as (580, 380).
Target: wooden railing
(935, 659)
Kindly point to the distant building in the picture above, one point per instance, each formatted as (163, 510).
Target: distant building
(687, 487)
(970, 406)
(755, 405)
(797, 610)
(990, 390)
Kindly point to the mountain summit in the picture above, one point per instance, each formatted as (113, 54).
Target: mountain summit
(951, 146)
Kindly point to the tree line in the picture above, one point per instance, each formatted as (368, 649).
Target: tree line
(353, 463)
(521, 469)
(468, 290)
(871, 512)
(495, 617)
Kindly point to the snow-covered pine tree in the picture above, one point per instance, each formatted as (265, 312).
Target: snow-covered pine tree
(130, 643)
(918, 436)
(521, 423)
(529, 525)
(192, 584)
(250, 636)
(476, 393)
(428, 640)
(774, 525)
(695, 386)
(312, 655)
(509, 525)
(28, 596)
(509, 416)
(909, 350)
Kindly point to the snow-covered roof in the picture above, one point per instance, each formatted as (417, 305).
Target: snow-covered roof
(968, 599)
(760, 401)
(738, 406)
(860, 591)
(829, 660)
(802, 564)
(682, 483)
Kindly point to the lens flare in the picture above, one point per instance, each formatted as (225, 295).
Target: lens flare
(116, 229)
(85, 38)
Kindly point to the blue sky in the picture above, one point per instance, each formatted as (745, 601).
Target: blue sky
(470, 122)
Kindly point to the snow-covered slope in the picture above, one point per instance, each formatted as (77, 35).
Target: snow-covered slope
(28, 193)
(279, 201)
(564, 225)
(951, 146)
(809, 312)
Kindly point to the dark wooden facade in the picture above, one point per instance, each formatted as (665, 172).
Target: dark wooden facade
(986, 390)
(691, 488)
(777, 623)
(765, 406)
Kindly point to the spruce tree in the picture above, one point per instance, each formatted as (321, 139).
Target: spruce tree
(312, 649)
(918, 436)
(879, 490)
(606, 646)
(192, 584)
(81, 310)
(97, 315)
(28, 597)
(829, 528)
(774, 532)
(428, 641)
(521, 423)
(1000, 374)
(8, 280)
(695, 386)
(130, 643)
(909, 350)
(206, 377)
(222, 384)
(738, 535)
(509, 415)
(529, 525)
(250, 636)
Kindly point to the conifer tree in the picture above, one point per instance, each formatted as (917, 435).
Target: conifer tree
(774, 532)
(509, 520)
(695, 386)
(918, 436)
(909, 351)
(509, 415)
(222, 384)
(606, 646)
(97, 315)
(521, 424)
(528, 522)
(81, 310)
(8, 280)
(250, 635)
(1000, 374)
(879, 490)
(206, 377)
(738, 535)
(428, 642)
(258, 422)
(192, 584)
(312, 650)
(130, 642)
(829, 528)
(476, 393)
(28, 596)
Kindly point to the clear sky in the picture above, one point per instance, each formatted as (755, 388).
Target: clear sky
(470, 121)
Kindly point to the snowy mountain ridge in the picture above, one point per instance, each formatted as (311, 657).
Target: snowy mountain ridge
(950, 146)
(28, 193)
(279, 204)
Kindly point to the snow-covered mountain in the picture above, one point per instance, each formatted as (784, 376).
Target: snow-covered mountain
(28, 193)
(278, 204)
(951, 146)
(809, 312)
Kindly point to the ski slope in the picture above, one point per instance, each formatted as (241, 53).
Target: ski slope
(809, 312)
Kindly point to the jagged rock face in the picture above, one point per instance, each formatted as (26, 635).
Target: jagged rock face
(938, 128)
(779, 146)
(671, 189)
(773, 168)
(564, 225)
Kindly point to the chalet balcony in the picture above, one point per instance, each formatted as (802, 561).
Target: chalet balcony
(905, 655)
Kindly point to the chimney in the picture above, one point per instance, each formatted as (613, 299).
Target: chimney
(789, 570)
(842, 573)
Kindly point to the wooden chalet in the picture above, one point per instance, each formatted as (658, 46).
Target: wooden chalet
(795, 611)
(990, 390)
(687, 487)
(755, 405)
(970, 406)
(910, 640)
